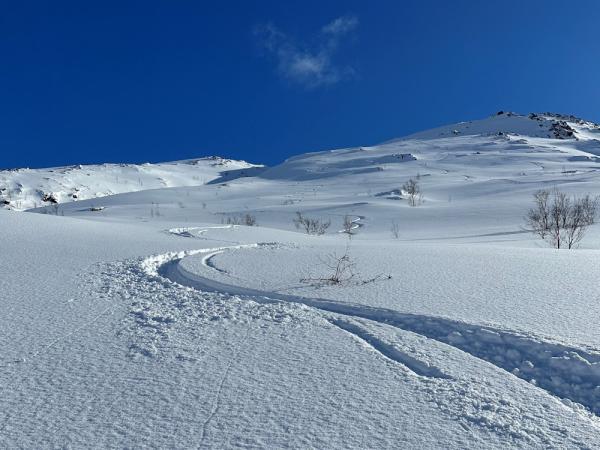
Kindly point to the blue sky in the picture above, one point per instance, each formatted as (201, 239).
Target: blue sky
(136, 81)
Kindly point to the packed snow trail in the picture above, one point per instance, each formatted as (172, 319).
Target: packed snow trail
(388, 350)
(567, 372)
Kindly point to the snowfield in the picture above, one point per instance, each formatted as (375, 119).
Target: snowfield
(155, 317)
(29, 188)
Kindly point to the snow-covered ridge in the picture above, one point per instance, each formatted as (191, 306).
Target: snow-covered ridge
(29, 188)
(538, 125)
(514, 134)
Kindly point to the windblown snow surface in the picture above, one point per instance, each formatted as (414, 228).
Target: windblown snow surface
(157, 319)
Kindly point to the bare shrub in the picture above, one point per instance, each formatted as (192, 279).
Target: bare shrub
(247, 219)
(309, 225)
(155, 210)
(349, 227)
(561, 219)
(395, 229)
(412, 189)
(340, 269)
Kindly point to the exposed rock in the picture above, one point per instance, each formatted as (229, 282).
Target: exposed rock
(50, 198)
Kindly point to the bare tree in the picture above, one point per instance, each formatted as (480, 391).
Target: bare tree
(413, 190)
(311, 226)
(582, 215)
(538, 217)
(560, 218)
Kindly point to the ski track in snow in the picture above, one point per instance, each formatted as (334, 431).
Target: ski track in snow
(388, 350)
(566, 372)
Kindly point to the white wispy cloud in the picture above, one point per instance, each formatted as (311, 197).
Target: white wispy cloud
(309, 66)
(341, 25)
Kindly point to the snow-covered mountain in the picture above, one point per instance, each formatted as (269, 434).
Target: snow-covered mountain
(521, 138)
(200, 314)
(493, 171)
(478, 141)
(542, 125)
(30, 188)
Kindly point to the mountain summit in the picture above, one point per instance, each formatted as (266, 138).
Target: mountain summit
(541, 125)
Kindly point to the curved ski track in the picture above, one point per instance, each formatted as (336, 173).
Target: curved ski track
(566, 372)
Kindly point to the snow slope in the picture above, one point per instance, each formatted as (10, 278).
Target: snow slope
(150, 321)
(106, 351)
(542, 125)
(28, 188)
(478, 184)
